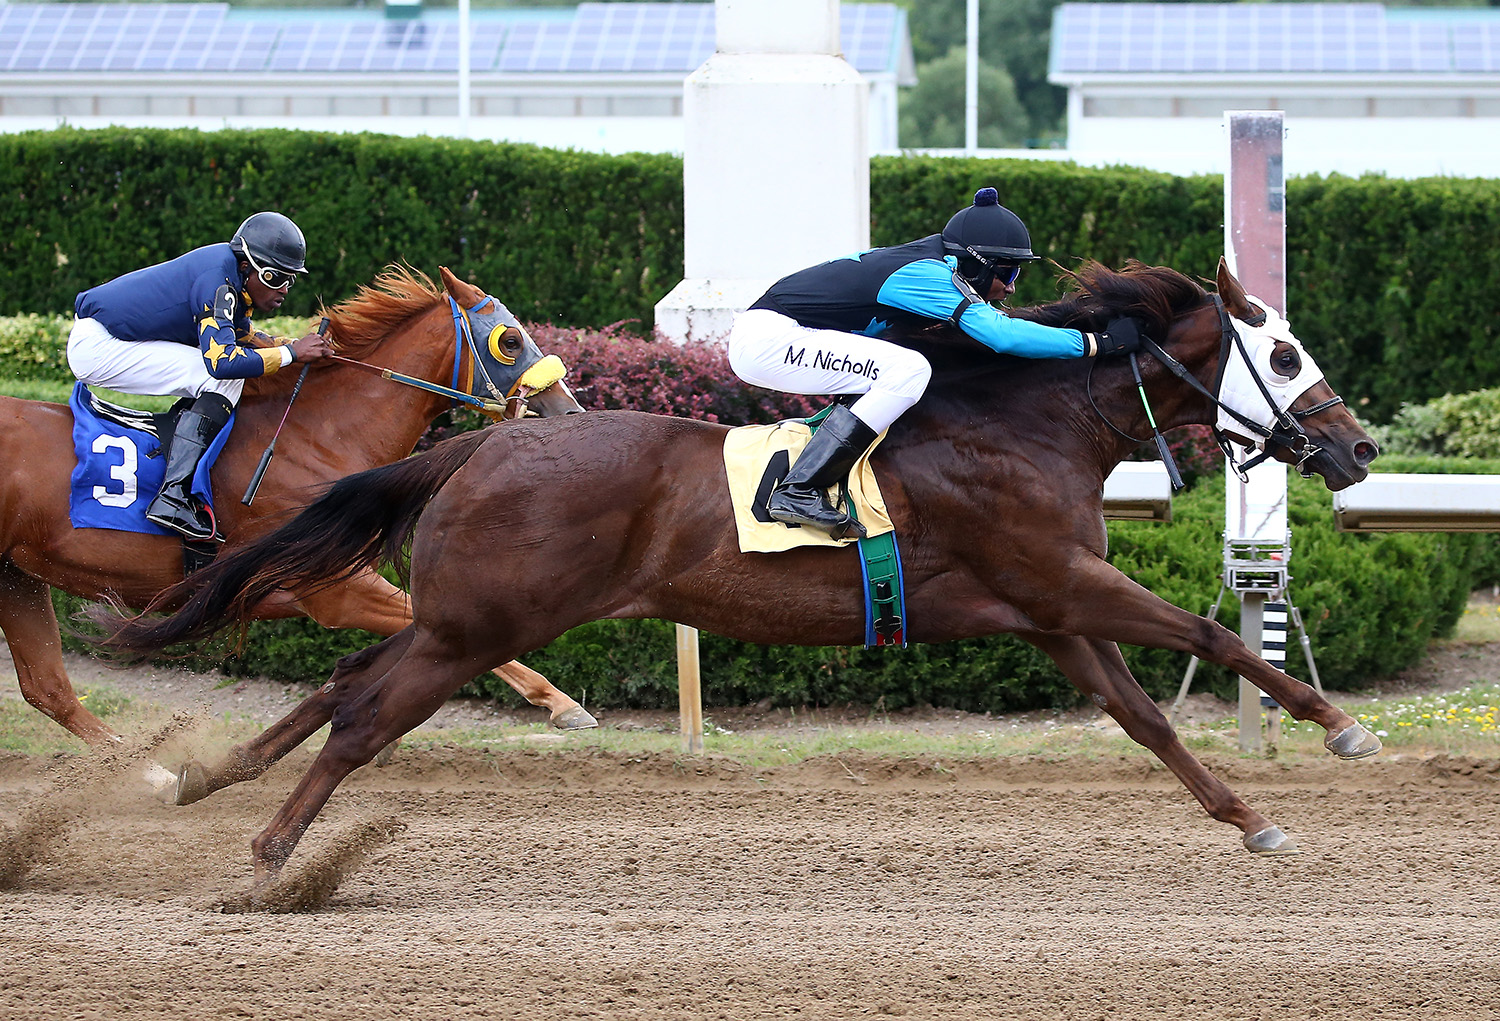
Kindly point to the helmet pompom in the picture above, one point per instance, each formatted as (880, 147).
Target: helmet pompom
(986, 197)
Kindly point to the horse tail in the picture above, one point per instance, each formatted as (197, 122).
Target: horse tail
(360, 519)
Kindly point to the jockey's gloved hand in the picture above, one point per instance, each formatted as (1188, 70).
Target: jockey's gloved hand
(1121, 337)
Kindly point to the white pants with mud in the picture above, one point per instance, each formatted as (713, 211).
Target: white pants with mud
(157, 368)
(775, 351)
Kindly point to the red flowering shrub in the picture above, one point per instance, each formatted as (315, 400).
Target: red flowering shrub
(615, 368)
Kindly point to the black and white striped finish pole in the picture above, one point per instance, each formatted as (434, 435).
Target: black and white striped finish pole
(1273, 623)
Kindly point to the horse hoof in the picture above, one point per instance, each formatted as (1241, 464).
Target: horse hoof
(576, 718)
(192, 785)
(385, 755)
(1353, 742)
(1270, 842)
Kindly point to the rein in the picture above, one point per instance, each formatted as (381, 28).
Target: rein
(1287, 432)
(462, 333)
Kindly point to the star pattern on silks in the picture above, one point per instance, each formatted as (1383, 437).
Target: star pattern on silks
(215, 352)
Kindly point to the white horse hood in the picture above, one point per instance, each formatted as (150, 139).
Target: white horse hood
(1238, 389)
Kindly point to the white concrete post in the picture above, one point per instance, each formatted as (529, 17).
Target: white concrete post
(1255, 245)
(776, 163)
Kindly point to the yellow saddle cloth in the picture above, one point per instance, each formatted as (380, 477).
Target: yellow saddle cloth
(756, 457)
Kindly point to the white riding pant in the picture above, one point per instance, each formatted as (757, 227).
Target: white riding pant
(775, 351)
(156, 368)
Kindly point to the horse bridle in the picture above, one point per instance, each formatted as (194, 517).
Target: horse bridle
(461, 333)
(1287, 431)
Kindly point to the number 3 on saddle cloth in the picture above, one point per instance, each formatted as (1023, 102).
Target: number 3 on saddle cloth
(756, 457)
(120, 466)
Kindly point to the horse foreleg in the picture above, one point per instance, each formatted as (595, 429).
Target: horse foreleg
(370, 602)
(249, 760)
(30, 626)
(1106, 604)
(390, 703)
(1096, 668)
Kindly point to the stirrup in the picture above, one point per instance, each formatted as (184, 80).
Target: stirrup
(191, 522)
(831, 520)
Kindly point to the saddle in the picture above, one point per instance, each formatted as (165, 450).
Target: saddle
(120, 468)
(756, 457)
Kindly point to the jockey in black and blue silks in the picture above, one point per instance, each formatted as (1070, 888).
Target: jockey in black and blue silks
(818, 331)
(181, 328)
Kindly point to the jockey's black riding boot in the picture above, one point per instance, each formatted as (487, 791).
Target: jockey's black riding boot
(800, 498)
(175, 507)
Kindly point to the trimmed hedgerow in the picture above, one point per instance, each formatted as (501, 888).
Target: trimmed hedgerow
(1465, 425)
(1388, 280)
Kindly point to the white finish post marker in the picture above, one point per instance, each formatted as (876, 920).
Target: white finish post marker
(1255, 521)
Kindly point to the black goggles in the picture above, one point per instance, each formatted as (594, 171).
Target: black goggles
(275, 279)
(1005, 272)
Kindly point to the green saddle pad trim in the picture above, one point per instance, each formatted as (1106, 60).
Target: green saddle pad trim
(880, 566)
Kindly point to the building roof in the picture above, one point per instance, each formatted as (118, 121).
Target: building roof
(614, 38)
(1301, 38)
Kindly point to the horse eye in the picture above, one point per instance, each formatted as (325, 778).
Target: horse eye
(1287, 362)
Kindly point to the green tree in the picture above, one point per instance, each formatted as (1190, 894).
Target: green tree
(932, 111)
(1014, 35)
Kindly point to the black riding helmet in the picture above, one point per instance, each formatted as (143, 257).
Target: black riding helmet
(984, 234)
(271, 240)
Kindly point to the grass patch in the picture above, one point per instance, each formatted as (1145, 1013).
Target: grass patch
(1480, 622)
(769, 749)
(57, 392)
(25, 730)
(1462, 722)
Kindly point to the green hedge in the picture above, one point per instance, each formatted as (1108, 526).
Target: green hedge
(1388, 280)
(566, 236)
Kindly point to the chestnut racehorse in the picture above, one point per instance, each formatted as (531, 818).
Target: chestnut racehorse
(994, 482)
(345, 419)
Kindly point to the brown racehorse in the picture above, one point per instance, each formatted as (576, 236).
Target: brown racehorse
(994, 481)
(344, 420)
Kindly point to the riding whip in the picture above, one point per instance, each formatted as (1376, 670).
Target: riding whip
(1162, 450)
(265, 459)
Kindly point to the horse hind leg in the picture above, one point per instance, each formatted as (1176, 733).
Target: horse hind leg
(410, 691)
(351, 677)
(1096, 668)
(369, 602)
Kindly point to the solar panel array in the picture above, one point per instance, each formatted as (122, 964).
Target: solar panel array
(1269, 38)
(598, 37)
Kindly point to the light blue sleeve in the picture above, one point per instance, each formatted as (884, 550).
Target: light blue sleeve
(926, 288)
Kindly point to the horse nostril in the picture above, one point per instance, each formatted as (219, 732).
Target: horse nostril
(1365, 451)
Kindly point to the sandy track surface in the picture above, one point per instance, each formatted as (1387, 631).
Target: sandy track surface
(581, 884)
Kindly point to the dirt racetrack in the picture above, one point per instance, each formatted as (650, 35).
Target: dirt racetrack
(585, 884)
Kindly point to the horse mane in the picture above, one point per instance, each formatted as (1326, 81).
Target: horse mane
(1154, 294)
(397, 294)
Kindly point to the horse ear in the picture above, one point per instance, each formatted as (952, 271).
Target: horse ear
(1233, 294)
(467, 295)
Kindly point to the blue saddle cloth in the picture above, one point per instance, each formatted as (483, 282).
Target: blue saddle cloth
(120, 464)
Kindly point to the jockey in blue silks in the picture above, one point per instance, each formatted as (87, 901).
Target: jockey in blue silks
(182, 328)
(818, 331)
